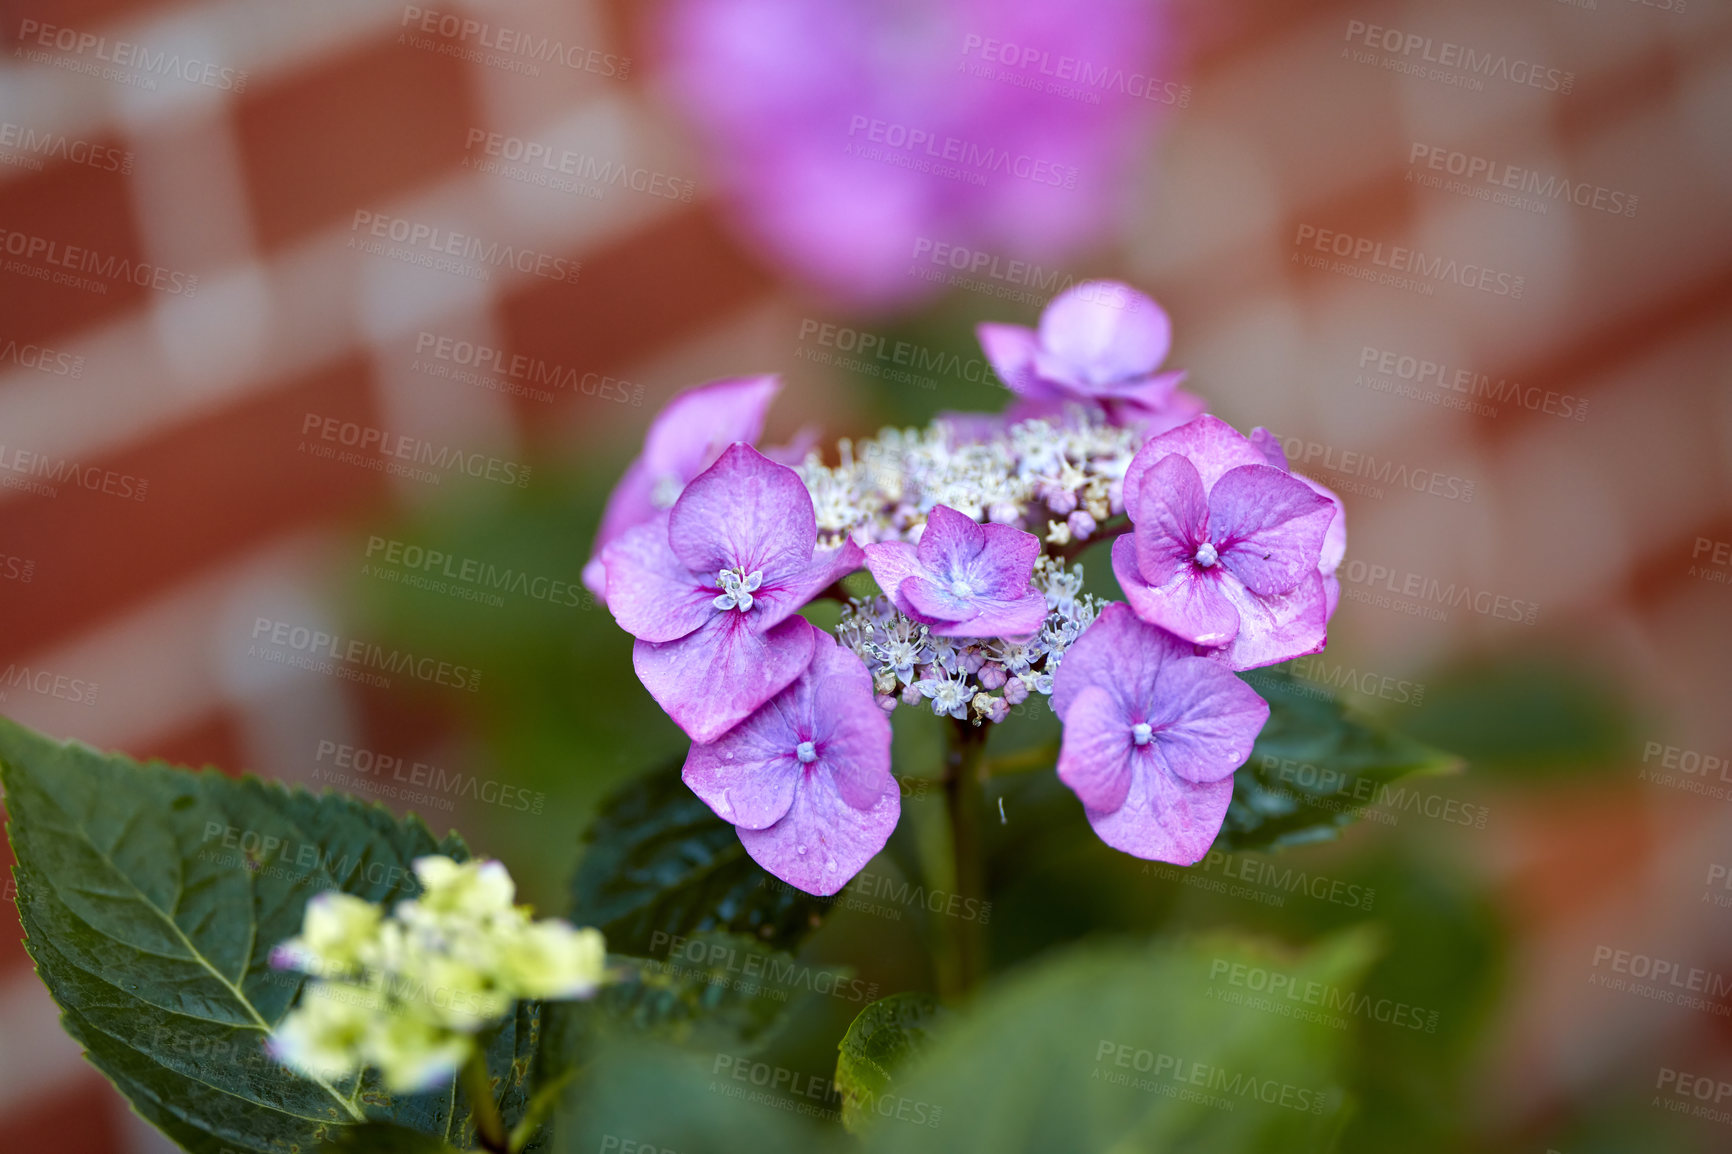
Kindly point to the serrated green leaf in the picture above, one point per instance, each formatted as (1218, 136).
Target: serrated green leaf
(1314, 767)
(659, 861)
(733, 995)
(382, 1138)
(1133, 1048)
(887, 1035)
(151, 898)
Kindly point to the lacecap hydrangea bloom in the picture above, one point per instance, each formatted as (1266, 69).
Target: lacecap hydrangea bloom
(408, 992)
(970, 528)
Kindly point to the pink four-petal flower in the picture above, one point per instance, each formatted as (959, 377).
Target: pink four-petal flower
(1152, 735)
(806, 779)
(963, 579)
(712, 589)
(1100, 343)
(1226, 548)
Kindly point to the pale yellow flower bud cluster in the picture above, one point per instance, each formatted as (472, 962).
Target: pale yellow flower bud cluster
(408, 992)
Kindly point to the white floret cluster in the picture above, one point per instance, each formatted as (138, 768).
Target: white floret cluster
(1057, 478)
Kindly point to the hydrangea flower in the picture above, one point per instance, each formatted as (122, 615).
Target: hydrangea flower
(1335, 540)
(711, 591)
(1099, 342)
(806, 779)
(1226, 549)
(684, 439)
(970, 526)
(963, 579)
(1152, 735)
(408, 993)
(847, 132)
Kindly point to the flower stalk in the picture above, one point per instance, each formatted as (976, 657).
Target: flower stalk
(964, 761)
(478, 1087)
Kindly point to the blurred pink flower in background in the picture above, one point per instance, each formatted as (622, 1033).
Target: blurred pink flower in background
(852, 135)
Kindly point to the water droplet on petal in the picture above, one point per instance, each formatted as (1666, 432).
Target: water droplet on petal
(801, 848)
(831, 864)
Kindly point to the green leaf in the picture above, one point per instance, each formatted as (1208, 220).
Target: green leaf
(1129, 1048)
(886, 1036)
(151, 898)
(660, 862)
(382, 1138)
(666, 1099)
(1532, 716)
(732, 996)
(1314, 767)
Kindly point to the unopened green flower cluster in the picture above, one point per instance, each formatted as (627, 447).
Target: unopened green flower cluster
(408, 993)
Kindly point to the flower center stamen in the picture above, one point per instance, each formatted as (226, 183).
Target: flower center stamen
(1141, 733)
(806, 752)
(961, 589)
(1206, 555)
(737, 589)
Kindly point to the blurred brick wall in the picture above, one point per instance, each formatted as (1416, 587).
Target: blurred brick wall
(189, 406)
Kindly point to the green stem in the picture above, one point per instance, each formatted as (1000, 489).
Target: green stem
(963, 762)
(478, 1086)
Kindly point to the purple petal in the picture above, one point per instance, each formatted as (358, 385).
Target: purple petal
(1178, 409)
(628, 505)
(1204, 719)
(747, 511)
(1191, 604)
(713, 679)
(1269, 445)
(1164, 818)
(1104, 331)
(749, 774)
(1211, 444)
(991, 616)
(850, 732)
(1010, 350)
(701, 422)
(1117, 653)
(682, 440)
(1154, 391)
(1005, 564)
(785, 592)
(950, 538)
(1171, 518)
(891, 563)
(1277, 628)
(935, 604)
(1268, 526)
(1335, 540)
(652, 595)
(1095, 759)
(823, 841)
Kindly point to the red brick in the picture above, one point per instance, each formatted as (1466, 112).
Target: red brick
(68, 205)
(83, 1116)
(218, 485)
(350, 133)
(649, 290)
(84, 15)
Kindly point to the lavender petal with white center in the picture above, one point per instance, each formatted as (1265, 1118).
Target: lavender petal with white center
(709, 591)
(963, 579)
(1152, 735)
(806, 778)
(1226, 549)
